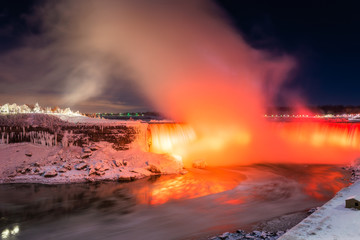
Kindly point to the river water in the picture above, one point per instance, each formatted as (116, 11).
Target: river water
(196, 205)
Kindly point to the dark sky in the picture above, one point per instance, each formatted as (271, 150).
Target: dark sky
(323, 37)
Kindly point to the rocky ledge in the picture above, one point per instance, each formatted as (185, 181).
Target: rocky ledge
(33, 163)
(255, 235)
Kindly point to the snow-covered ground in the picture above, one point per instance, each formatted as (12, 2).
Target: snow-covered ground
(80, 119)
(34, 163)
(92, 159)
(331, 221)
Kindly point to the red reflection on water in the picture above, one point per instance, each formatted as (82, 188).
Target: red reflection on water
(196, 183)
(320, 182)
(226, 200)
(323, 182)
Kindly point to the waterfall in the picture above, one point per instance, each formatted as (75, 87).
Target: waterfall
(170, 138)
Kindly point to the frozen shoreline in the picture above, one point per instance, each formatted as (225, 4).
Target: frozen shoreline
(34, 163)
(60, 148)
(329, 221)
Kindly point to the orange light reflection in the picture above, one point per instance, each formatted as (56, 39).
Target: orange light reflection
(196, 183)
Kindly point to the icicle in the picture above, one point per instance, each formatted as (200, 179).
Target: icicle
(64, 141)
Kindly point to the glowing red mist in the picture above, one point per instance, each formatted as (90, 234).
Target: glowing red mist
(194, 68)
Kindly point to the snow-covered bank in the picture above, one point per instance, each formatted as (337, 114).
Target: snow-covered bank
(66, 148)
(268, 229)
(34, 163)
(80, 119)
(331, 221)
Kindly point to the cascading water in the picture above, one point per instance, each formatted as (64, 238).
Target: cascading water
(297, 142)
(170, 138)
(345, 135)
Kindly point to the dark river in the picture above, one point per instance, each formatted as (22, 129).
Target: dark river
(196, 205)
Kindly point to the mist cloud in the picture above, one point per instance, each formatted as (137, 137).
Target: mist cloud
(183, 57)
(160, 44)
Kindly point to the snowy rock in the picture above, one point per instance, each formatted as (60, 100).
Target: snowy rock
(242, 235)
(91, 170)
(100, 173)
(35, 169)
(312, 210)
(224, 235)
(141, 171)
(242, 232)
(153, 169)
(90, 179)
(94, 147)
(125, 178)
(67, 166)
(249, 236)
(257, 233)
(12, 174)
(23, 170)
(28, 153)
(50, 173)
(81, 166)
(61, 151)
(62, 170)
(86, 150)
(85, 155)
(98, 166)
(99, 169)
(117, 163)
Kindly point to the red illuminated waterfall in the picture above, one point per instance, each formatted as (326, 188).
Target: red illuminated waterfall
(170, 138)
(290, 142)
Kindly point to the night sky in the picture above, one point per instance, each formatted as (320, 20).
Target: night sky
(323, 37)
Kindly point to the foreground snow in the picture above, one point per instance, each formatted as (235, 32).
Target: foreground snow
(34, 163)
(331, 221)
(66, 148)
